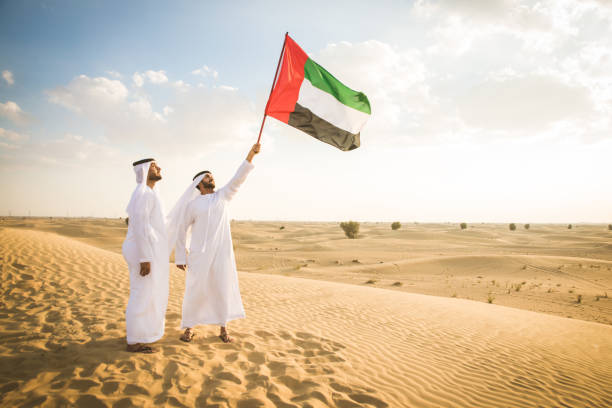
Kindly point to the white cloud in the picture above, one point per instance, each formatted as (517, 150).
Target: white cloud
(486, 69)
(528, 102)
(12, 136)
(138, 79)
(88, 93)
(206, 71)
(8, 77)
(181, 85)
(154, 77)
(142, 107)
(201, 116)
(13, 112)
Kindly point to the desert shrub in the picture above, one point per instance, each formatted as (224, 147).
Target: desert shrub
(578, 298)
(527, 226)
(569, 226)
(490, 298)
(371, 282)
(512, 226)
(282, 227)
(610, 227)
(350, 228)
(463, 225)
(127, 221)
(396, 225)
(397, 284)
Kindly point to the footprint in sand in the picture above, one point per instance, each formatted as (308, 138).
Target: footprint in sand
(230, 358)
(264, 334)
(89, 401)
(257, 357)
(368, 399)
(132, 389)
(82, 385)
(250, 403)
(227, 376)
(110, 387)
(124, 403)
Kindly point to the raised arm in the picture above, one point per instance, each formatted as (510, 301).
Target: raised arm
(230, 189)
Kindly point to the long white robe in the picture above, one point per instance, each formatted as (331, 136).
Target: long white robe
(146, 241)
(212, 295)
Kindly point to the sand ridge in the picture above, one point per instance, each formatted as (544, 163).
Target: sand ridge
(304, 343)
(547, 268)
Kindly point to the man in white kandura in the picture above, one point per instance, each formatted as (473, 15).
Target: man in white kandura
(212, 295)
(145, 250)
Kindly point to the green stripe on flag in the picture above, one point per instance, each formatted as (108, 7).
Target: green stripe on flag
(320, 78)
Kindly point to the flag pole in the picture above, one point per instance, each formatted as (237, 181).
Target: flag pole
(272, 89)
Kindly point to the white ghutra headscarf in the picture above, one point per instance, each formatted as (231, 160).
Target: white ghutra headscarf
(141, 169)
(176, 216)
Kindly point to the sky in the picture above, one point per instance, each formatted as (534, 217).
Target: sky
(482, 110)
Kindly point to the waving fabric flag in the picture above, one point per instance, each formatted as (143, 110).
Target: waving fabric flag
(310, 99)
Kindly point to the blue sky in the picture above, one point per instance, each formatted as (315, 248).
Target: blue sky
(482, 110)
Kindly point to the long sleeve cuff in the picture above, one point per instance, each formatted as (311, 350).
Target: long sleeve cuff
(180, 259)
(248, 165)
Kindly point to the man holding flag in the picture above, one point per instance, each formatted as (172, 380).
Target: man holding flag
(212, 295)
(306, 97)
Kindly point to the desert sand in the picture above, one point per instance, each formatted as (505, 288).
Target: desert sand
(329, 340)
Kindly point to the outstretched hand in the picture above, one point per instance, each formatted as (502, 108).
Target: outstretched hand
(254, 150)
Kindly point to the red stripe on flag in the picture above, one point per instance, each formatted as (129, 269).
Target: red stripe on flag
(287, 89)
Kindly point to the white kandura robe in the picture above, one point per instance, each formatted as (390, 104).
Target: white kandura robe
(146, 241)
(212, 295)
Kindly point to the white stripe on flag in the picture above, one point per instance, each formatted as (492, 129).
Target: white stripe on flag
(327, 107)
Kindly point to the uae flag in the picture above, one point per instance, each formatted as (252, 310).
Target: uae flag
(312, 100)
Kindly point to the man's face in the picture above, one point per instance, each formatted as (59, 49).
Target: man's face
(208, 181)
(154, 172)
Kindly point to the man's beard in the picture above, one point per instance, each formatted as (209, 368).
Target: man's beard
(155, 178)
(210, 186)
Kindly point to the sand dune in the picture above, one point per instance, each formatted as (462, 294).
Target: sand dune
(304, 343)
(547, 268)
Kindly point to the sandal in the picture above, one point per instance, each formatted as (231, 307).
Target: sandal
(187, 336)
(225, 338)
(140, 348)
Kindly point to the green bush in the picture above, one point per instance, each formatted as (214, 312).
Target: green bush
(396, 225)
(512, 226)
(350, 228)
(527, 226)
(463, 225)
